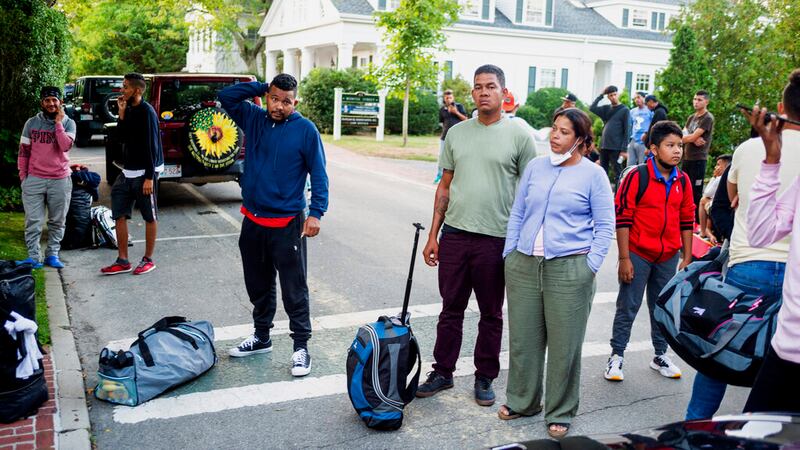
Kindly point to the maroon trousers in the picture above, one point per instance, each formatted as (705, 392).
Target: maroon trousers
(470, 262)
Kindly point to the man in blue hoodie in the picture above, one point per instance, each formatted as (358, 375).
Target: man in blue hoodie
(283, 148)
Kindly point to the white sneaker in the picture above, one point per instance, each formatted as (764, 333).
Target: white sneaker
(614, 369)
(665, 367)
(301, 363)
(251, 346)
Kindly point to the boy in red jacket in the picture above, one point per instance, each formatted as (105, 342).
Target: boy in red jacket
(654, 221)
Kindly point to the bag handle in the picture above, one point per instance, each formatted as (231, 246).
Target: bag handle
(164, 325)
(727, 337)
(411, 389)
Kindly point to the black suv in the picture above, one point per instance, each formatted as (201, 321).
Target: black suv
(92, 104)
(201, 142)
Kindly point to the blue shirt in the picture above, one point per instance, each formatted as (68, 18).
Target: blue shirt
(573, 203)
(672, 175)
(640, 122)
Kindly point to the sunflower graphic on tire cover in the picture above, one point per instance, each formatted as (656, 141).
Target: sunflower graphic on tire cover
(214, 138)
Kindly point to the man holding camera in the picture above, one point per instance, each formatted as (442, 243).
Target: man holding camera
(450, 114)
(616, 129)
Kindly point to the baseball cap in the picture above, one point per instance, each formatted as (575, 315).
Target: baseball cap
(650, 97)
(570, 97)
(50, 91)
(509, 102)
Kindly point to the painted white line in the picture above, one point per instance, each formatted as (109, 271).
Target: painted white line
(383, 175)
(181, 238)
(284, 391)
(344, 320)
(237, 223)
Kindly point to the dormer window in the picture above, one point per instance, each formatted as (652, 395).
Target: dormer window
(535, 12)
(639, 18)
(388, 5)
(475, 9)
(643, 19)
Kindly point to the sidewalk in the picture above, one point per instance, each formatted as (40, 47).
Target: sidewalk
(63, 421)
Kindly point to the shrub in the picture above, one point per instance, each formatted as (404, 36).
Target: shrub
(10, 198)
(539, 106)
(317, 95)
(35, 50)
(423, 114)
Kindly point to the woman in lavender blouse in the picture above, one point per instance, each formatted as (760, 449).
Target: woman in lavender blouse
(559, 231)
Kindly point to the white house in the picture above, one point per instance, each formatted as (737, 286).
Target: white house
(581, 45)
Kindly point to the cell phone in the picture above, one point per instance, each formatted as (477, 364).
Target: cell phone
(769, 116)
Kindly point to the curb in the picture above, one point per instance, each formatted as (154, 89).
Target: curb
(72, 419)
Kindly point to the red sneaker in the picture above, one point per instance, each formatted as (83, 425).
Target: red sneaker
(146, 265)
(117, 267)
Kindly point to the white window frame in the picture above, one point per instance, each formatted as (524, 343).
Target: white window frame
(639, 80)
(542, 78)
(471, 9)
(542, 7)
(643, 17)
(391, 5)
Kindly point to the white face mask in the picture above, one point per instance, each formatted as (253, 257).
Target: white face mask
(557, 159)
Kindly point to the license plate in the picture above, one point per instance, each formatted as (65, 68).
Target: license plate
(86, 117)
(171, 171)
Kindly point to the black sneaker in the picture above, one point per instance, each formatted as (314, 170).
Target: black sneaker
(251, 346)
(484, 394)
(301, 363)
(434, 384)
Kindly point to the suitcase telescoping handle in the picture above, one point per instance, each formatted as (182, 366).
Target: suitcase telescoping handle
(410, 273)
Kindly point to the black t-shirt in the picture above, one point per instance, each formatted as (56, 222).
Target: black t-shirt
(448, 119)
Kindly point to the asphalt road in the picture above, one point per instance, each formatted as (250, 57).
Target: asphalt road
(358, 263)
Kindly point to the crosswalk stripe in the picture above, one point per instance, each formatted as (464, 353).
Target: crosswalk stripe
(284, 391)
(344, 320)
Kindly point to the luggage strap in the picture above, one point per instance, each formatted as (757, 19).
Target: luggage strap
(166, 325)
(411, 389)
(727, 337)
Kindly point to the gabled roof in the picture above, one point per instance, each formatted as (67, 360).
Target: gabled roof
(568, 19)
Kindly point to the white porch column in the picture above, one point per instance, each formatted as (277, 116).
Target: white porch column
(585, 83)
(380, 54)
(290, 61)
(345, 58)
(306, 61)
(271, 68)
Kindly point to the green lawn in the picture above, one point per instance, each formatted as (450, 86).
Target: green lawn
(422, 148)
(12, 246)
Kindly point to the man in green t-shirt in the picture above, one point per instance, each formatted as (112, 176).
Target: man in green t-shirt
(482, 160)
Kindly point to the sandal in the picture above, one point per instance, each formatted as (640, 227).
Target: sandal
(555, 433)
(510, 414)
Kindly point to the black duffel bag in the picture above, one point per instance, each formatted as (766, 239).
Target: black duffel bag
(19, 398)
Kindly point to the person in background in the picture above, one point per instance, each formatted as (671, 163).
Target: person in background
(44, 173)
(706, 232)
(756, 270)
(640, 124)
(450, 114)
(616, 129)
(771, 218)
(659, 113)
(569, 101)
(697, 137)
(647, 259)
(137, 184)
(559, 232)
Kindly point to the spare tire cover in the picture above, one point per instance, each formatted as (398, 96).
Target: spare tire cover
(214, 138)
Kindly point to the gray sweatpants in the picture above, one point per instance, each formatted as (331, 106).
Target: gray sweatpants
(635, 153)
(54, 194)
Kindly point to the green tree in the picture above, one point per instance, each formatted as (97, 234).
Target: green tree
(316, 91)
(235, 21)
(34, 53)
(413, 33)
(686, 73)
(540, 105)
(423, 114)
(462, 91)
(114, 37)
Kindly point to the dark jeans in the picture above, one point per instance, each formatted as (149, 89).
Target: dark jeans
(610, 157)
(775, 388)
(652, 277)
(470, 262)
(754, 278)
(696, 171)
(265, 252)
